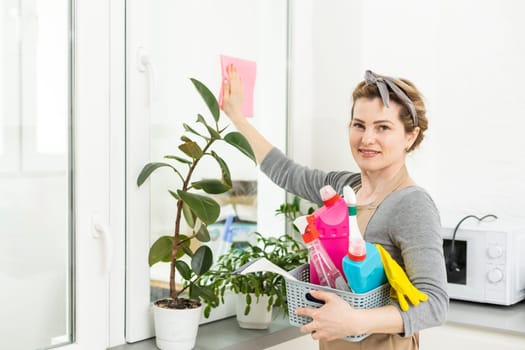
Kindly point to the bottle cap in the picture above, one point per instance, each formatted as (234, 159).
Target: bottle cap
(310, 232)
(328, 195)
(357, 249)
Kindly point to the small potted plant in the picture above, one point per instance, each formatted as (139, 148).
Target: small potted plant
(257, 292)
(174, 314)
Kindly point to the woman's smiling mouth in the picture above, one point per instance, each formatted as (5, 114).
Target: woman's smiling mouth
(368, 153)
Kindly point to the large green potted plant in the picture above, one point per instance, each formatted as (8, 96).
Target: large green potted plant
(198, 210)
(257, 292)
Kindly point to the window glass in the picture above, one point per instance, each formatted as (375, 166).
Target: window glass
(35, 202)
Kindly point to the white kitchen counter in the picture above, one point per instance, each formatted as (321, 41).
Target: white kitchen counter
(226, 334)
(506, 319)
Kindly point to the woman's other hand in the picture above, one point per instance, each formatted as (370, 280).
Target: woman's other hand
(335, 319)
(232, 97)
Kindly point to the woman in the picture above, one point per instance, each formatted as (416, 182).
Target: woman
(388, 120)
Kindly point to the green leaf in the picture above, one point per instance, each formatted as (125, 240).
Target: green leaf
(183, 269)
(202, 260)
(237, 140)
(176, 196)
(161, 250)
(202, 234)
(226, 176)
(200, 119)
(190, 129)
(148, 169)
(191, 149)
(213, 133)
(248, 304)
(187, 250)
(183, 247)
(179, 159)
(194, 291)
(206, 208)
(208, 97)
(208, 293)
(207, 311)
(188, 215)
(185, 138)
(212, 186)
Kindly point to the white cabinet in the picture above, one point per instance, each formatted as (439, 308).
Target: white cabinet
(452, 337)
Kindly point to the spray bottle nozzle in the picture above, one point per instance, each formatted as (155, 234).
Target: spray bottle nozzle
(357, 249)
(310, 232)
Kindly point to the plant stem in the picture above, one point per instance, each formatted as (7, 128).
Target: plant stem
(178, 216)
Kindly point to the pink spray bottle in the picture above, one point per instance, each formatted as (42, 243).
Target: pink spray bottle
(331, 220)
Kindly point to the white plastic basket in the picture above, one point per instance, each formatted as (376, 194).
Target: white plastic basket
(298, 295)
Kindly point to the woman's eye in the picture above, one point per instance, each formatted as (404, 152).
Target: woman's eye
(357, 125)
(384, 127)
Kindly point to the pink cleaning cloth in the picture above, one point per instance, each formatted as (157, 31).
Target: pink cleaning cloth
(246, 70)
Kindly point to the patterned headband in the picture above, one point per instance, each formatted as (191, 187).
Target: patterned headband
(383, 83)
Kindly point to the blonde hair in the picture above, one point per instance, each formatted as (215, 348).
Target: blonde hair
(371, 91)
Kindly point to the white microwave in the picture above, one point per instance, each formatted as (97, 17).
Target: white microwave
(485, 264)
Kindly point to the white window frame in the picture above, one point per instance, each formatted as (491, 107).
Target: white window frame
(97, 110)
(91, 115)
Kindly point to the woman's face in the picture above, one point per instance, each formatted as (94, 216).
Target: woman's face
(377, 136)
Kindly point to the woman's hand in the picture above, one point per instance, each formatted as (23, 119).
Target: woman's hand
(232, 97)
(335, 319)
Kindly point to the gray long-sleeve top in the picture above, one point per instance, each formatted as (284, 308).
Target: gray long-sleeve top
(406, 224)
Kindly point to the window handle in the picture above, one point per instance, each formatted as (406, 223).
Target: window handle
(102, 231)
(145, 66)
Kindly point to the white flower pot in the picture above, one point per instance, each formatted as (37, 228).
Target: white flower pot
(258, 317)
(176, 329)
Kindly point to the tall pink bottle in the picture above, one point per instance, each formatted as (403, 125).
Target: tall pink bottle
(331, 220)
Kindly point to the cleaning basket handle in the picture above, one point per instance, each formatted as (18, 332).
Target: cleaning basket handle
(311, 298)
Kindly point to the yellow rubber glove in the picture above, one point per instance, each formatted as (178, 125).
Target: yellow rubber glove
(402, 288)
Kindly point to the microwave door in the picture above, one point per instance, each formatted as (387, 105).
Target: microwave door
(456, 261)
(465, 265)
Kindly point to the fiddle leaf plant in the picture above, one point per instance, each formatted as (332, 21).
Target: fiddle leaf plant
(196, 209)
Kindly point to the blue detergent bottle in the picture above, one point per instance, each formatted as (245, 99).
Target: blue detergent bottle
(362, 266)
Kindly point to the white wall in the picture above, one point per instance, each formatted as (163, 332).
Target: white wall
(466, 59)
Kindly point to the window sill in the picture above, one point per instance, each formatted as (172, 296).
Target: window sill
(227, 335)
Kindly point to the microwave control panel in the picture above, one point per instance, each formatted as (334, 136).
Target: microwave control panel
(495, 276)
